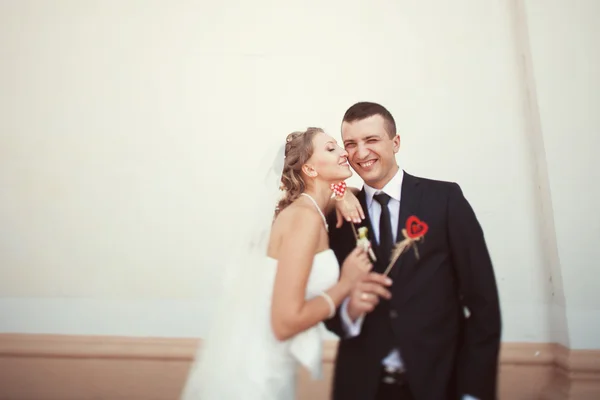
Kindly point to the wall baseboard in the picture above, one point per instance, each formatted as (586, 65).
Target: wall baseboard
(65, 367)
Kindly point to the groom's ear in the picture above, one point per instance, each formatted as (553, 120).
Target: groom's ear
(309, 170)
(396, 143)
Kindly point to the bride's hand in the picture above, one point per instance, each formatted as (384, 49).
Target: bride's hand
(355, 266)
(349, 209)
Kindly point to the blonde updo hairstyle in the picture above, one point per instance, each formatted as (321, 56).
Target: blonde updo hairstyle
(298, 150)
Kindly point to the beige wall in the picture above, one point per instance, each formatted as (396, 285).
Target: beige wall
(565, 60)
(45, 367)
(122, 128)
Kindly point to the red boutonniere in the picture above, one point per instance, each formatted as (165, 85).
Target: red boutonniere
(415, 230)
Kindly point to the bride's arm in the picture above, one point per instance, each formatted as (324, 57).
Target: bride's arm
(333, 202)
(290, 312)
(348, 208)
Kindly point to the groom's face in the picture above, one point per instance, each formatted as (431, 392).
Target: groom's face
(371, 150)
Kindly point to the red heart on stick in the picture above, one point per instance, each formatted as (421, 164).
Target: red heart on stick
(415, 228)
(339, 189)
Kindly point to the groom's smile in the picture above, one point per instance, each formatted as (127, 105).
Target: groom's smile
(371, 150)
(367, 164)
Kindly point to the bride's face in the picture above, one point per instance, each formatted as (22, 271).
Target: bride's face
(329, 160)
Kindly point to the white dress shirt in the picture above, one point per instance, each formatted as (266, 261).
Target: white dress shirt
(393, 189)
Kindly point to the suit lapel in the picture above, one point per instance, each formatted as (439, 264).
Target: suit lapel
(409, 205)
(362, 198)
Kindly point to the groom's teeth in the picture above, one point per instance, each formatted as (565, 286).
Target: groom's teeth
(368, 164)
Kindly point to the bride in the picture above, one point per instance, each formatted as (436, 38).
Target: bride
(285, 281)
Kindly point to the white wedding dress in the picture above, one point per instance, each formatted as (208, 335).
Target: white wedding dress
(240, 358)
(247, 362)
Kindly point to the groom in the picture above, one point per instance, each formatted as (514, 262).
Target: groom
(438, 336)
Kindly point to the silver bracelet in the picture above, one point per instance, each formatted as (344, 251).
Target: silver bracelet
(330, 302)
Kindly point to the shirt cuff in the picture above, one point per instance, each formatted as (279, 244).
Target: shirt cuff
(352, 329)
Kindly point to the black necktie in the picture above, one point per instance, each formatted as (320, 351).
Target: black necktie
(385, 227)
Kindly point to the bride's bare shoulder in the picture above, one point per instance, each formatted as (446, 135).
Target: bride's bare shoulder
(298, 217)
(298, 224)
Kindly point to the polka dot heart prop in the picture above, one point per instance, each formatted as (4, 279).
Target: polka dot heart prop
(339, 189)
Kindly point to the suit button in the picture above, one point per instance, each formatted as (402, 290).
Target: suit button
(393, 314)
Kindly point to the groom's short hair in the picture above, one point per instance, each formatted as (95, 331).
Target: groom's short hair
(365, 109)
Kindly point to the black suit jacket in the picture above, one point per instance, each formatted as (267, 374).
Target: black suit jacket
(446, 353)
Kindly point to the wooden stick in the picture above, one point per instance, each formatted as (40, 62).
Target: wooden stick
(354, 230)
(401, 248)
(398, 250)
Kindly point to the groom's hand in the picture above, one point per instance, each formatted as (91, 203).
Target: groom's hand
(366, 293)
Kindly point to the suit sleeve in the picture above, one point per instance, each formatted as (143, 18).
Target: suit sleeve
(335, 324)
(478, 355)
